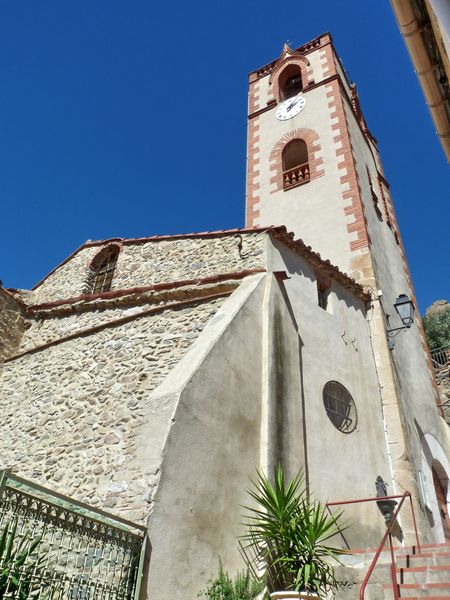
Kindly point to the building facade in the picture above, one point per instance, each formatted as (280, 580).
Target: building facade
(152, 377)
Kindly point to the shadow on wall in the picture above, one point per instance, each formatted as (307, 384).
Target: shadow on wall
(282, 451)
(295, 268)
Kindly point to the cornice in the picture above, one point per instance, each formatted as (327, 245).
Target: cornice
(318, 42)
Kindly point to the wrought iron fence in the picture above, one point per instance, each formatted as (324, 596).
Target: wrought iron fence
(441, 358)
(54, 548)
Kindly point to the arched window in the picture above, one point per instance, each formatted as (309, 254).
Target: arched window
(290, 82)
(295, 163)
(102, 269)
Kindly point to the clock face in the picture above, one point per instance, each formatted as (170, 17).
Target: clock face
(290, 107)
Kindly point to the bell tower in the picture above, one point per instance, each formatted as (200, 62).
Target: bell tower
(314, 166)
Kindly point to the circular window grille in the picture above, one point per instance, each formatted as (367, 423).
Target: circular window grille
(340, 406)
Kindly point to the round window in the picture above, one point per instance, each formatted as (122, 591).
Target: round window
(340, 406)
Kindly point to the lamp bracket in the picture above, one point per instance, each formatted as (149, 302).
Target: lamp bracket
(396, 329)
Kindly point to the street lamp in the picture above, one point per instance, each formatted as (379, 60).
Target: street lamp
(405, 310)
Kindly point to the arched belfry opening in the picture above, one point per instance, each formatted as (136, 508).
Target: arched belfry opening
(295, 163)
(290, 82)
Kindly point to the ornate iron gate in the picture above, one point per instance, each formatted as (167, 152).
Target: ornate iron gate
(53, 547)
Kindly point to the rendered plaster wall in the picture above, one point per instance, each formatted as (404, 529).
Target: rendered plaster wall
(153, 262)
(212, 451)
(12, 325)
(335, 345)
(282, 427)
(71, 413)
(406, 367)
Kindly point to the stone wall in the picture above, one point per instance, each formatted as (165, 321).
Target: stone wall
(12, 324)
(76, 408)
(158, 261)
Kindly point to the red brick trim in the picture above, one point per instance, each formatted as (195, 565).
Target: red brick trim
(119, 321)
(307, 48)
(311, 138)
(158, 287)
(299, 61)
(12, 295)
(254, 98)
(101, 254)
(347, 166)
(327, 60)
(253, 172)
(272, 104)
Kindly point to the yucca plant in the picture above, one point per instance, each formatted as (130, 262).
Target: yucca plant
(287, 535)
(18, 564)
(243, 587)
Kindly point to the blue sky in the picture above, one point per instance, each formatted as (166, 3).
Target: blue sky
(95, 142)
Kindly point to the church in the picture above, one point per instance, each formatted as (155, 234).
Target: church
(151, 378)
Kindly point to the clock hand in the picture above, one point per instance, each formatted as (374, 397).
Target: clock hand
(291, 105)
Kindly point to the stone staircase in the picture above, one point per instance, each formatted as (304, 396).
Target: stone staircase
(419, 575)
(424, 575)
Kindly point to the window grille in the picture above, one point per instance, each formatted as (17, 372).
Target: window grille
(340, 406)
(103, 270)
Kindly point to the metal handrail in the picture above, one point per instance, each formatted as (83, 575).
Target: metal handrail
(388, 534)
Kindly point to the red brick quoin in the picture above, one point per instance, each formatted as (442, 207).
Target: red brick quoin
(253, 173)
(312, 142)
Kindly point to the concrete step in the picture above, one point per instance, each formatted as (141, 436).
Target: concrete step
(445, 547)
(419, 597)
(425, 590)
(424, 559)
(419, 575)
(427, 574)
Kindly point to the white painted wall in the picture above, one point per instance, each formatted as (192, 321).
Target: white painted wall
(315, 210)
(336, 346)
(212, 450)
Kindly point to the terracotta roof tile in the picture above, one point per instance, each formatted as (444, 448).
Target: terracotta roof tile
(278, 232)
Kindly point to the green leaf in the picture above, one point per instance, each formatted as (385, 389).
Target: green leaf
(287, 534)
